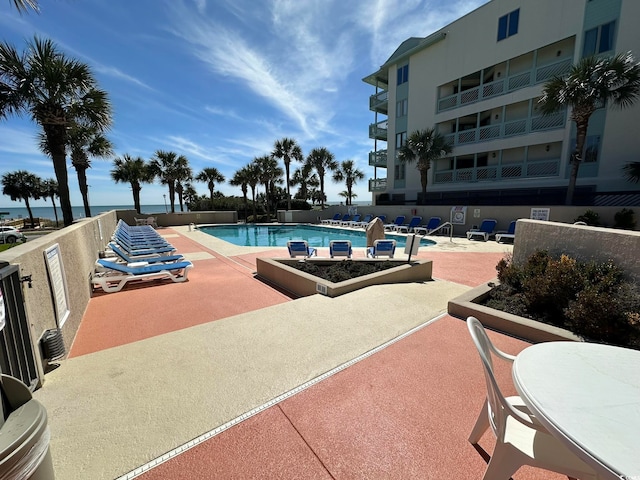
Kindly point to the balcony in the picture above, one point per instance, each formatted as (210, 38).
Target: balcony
(505, 85)
(379, 102)
(524, 126)
(377, 184)
(378, 159)
(533, 169)
(378, 131)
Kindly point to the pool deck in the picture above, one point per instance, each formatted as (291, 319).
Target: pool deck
(225, 377)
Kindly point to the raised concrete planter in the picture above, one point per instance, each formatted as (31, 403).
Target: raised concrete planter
(467, 305)
(280, 272)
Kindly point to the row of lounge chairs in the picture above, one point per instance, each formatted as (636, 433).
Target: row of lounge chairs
(487, 230)
(398, 225)
(342, 248)
(137, 254)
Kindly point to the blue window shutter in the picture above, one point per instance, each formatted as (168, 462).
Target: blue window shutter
(399, 79)
(502, 27)
(590, 39)
(513, 22)
(606, 37)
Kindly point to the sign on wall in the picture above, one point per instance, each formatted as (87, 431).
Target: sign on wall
(458, 215)
(540, 214)
(55, 269)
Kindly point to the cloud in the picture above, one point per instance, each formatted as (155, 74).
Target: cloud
(119, 74)
(20, 142)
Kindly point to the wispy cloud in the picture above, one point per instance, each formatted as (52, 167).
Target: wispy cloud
(119, 74)
(20, 142)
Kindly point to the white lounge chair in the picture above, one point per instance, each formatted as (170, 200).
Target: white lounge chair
(510, 234)
(382, 248)
(485, 231)
(300, 248)
(340, 248)
(113, 276)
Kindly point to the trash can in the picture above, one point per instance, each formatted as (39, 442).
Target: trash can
(24, 435)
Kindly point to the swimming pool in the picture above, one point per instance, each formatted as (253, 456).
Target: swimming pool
(279, 235)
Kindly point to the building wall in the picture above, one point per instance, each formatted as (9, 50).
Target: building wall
(553, 30)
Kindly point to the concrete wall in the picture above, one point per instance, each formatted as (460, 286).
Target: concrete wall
(79, 245)
(475, 214)
(581, 242)
(181, 218)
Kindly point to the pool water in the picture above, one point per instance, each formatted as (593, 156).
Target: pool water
(279, 235)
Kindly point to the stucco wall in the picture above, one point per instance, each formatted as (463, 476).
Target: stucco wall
(79, 245)
(181, 218)
(582, 242)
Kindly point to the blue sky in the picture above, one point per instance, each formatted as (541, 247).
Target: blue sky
(219, 81)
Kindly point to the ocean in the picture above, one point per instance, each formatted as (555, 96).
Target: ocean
(7, 213)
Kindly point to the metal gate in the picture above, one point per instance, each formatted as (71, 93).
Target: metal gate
(16, 349)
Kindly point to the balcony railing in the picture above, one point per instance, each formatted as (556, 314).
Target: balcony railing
(378, 159)
(505, 85)
(377, 184)
(507, 129)
(379, 102)
(533, 169)
(379, 130)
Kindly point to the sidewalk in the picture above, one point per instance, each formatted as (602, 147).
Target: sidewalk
(373, 384)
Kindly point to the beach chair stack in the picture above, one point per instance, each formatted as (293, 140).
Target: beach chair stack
(138, 254)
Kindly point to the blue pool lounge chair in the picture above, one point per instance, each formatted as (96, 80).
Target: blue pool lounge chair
(345, 218)
(153, 258)
(364, 222)
(336, 217)
(382, 248)
(300, 248)
(432, 224)
(413, 223)
(397, 222)
(340, 248)
(112, 276)
(485, 231)
(510, 234)
(350, 223)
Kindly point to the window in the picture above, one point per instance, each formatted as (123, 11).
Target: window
(401, 139)
(599, 39)
(399, 172)
(592, 146)
(508, 24)
(401, 108)
(403, 74)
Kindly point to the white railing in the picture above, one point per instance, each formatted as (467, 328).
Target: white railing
(533, 169)
(378, 99)
(377, 184)
(378, 159)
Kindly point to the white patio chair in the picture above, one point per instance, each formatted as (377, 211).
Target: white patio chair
(520, 440)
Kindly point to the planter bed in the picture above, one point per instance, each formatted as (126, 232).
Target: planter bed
(469, 304)
(281, 273)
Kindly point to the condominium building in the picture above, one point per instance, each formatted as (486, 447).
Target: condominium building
(478, 80)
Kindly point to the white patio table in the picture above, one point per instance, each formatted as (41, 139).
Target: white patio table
(588, 396)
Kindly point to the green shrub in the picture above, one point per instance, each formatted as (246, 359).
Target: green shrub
(589, 217)
(592, 299)
(624, 219)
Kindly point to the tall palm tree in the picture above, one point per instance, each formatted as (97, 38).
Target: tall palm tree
(190, 195)
(270, 174)
(287, 149)
(253, 179)
(184, 175)
(306, 180)
(348, 173)
(210, 176)
(22, 185)
(50, 190)
(23, 5)
(56, 92)
(86, 141)
(322, 160)
(632, 172)
(424, 147)
(592, 83)
(134, 171)
(167, 166)
(241, 179)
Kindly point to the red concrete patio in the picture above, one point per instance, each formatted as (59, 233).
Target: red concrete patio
(402, 412)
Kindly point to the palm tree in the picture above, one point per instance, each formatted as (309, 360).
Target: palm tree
(350, 175)
(24, 5)
(134, 171)
(322, 160)
(50, 190)
(632, 171)
(183, 174)
(210, 176)
(56, 92)
(253, 179)
(168, 166)
(424, 147)
(306, 179)
(287, 149)
(270, 174)
(22, 185)
(241, 179)
(190, 196)
(592, 83)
